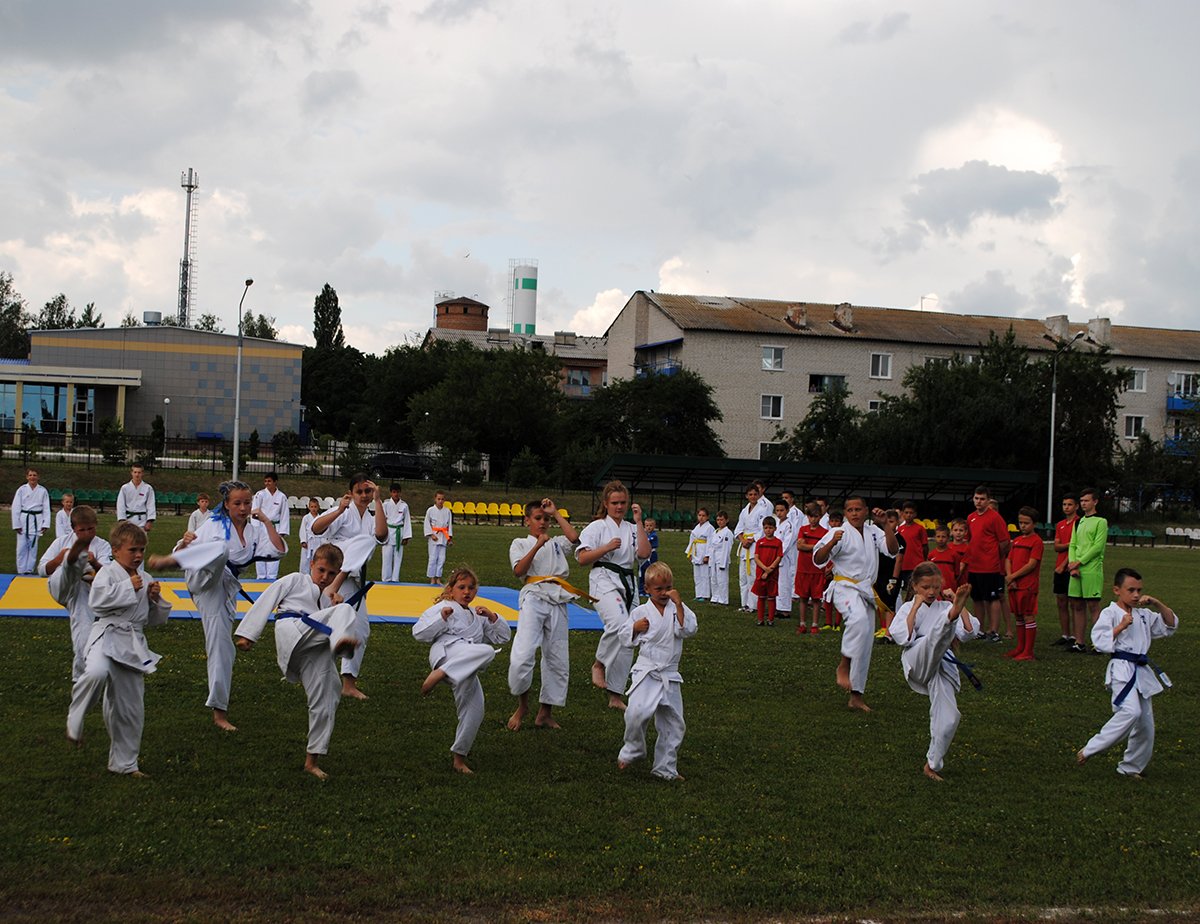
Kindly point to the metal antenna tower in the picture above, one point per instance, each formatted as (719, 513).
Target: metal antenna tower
(191, 182)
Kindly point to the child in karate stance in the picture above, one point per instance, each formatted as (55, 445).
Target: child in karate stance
(125, 600)
(439, 531)
(462, 640)
(718, 559)
(543, 564)
(399, 523)
(658, 629)
(1124, 630)
(925, 627)
(854, 549)
(62, 519)
(312, 628)
(71, 563)
(699, 549)
(768, 555)
(612, 547)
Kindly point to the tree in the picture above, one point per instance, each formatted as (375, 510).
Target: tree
(253, 444)
(56, 314)
(91, 317)
(209, 322)
(526, 470)
(828, 432)
(262, 327)
(286, 446)
(327, 320)
(14, 319)
(129, 320)
(112, 441)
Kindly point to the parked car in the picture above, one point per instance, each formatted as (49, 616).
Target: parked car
(410, 465)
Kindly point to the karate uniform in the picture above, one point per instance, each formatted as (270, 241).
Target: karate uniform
(212, 564)
(62, 524)
(116, 663)
(275, 507)
(309, 542)
(308, 632)
(354, 534)
(655, 691)
(855, 561)
(615, 593)
(749, 524)
(69, 589)
(785, 532)
(1133, 716)
(698, 552)
(462, 647)
(439, 530)
(542, 619)
(721, 549)
(925, 666)
(197, 518)
(399, 531)
(30, 518)
(135, 503)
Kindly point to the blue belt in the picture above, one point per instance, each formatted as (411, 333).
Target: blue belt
(1137, 660)
(236, 571)
(966, 669)
(356, 597)
(307, 620)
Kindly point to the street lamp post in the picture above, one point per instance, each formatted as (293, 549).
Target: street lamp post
(1061, 346)
(166, 407)
(237, 387)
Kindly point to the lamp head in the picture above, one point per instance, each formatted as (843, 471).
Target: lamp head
(249, 283)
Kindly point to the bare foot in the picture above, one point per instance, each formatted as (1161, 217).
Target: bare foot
(350, 688)
(316, 771)
(1080, 758)
(221, 720)
(615, 701)
(545, 719)
(435, 677)
(515, 720)
(843, 674)
(857, 702)
(932, 774)
(622, 765)
(598, 675)
(138, 775)
(460, 765)
(76, 743)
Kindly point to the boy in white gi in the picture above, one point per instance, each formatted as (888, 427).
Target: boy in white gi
(309, 542)
(135, 501)
(612, 546)
(1124, 630)
(200, 514)
(395, 511)
(854, 549)
(747, 532)
(344, 525)
(125, 600)
(30, 518)
(312, 627)
(272, 502)
(925, 627)
(698, 551)
(462, 639)
(439, 531)
(62, 519)
(543, 564)
(785, 532)
(71, 563)
(658, 629)
(718, 559)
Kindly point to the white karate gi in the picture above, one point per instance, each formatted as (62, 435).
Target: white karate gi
(749, 524)
(655, 691)
(69, 589)
(851, 589)
(399, 529)
(444, 520)
(135, 503)
(306, 653)
(309, 542)
(215, 588)
(615, 593)
(462, 647)
(699, 550)
(116, 663)
(62, 524)
(275, 506)
(197, 518)
(924, 665)
(1134, 718)
(542, 620)
(720, 551)
(785, 532)
(30, 518)
(354, 533)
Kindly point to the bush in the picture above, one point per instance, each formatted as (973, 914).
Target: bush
(113, 442)
(286, 446)
(526, 470)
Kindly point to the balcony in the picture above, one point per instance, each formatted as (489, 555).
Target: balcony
(658, 367)
(1181, 404)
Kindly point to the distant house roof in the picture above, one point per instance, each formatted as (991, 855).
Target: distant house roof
(935, 328)
(566, 346)
(460, 300)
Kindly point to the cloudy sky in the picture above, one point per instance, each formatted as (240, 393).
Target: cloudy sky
(1007, 158)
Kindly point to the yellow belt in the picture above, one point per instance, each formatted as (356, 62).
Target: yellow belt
(561, 582)
(695, 542)
(881, 608)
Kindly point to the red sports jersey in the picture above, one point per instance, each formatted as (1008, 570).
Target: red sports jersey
(987, 530)
(948, 561)
(1024, 548)
(1062, 536)
(917, 548)
(768, 551)
(809, 535)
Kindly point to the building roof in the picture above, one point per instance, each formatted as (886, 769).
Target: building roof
(936, 328)
(460, 300)
(566, 346)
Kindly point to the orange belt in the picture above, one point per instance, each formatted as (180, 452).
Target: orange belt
(445, 530)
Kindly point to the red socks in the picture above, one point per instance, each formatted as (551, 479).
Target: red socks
(1020, 649)
(1026, 653)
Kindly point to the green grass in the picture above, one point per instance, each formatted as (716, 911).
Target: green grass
(792, 805)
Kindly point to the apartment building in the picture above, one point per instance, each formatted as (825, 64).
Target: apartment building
(767, 359)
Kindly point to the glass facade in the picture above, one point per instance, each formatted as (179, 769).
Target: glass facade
(44, 407)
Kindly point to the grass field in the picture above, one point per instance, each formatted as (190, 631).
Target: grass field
(793, 806)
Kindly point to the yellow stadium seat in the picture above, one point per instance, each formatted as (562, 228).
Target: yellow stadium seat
(505, 509)
(456, 507)
(566, 514)
(469, 508)
(493, 509)
(1012, 528)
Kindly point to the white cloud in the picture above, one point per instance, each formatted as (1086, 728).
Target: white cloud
(596, 317)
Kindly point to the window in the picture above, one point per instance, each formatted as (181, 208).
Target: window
(822, 383)
(1134, 424)
(579, 377)
(1185, 384)
(881, 365)
(772, 407)
(772, 359)
(768, 452)
(937, 360)
(1137, 379)
(874, 405)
